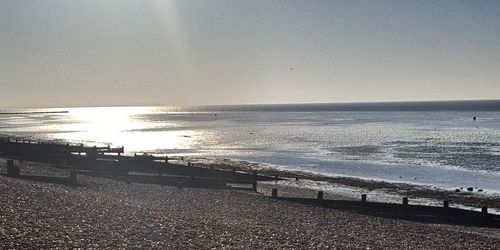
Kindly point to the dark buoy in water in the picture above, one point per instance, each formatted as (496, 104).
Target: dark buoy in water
(474, 118)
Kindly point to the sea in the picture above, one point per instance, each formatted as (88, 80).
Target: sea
(447, 145)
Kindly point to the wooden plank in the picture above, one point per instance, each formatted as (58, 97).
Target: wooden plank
(406, 211)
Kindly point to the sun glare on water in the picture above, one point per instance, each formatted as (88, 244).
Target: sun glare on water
(125, 126)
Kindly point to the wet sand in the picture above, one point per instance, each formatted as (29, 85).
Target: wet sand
(103, 213)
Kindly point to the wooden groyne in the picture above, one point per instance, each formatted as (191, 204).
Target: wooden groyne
(404, 210)
(112, 163)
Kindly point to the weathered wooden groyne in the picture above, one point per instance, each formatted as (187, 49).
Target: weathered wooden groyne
(404, 210)
(111, 162)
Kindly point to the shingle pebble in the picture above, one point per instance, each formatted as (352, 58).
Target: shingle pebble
(108, 214)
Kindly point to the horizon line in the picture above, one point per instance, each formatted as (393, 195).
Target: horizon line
(258, 104)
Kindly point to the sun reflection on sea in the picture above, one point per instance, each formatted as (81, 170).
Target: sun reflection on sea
(121, 127)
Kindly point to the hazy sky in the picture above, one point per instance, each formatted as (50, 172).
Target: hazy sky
(124, 52)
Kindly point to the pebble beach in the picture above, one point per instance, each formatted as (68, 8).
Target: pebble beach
(106, 214)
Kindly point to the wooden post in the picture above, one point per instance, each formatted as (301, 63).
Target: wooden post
(254, 181)
(405, 201)
(91, 154)
(166, 159)
(446, 210)
(363, 198)
(484, 210)
(274, 193)
(320, 195)
(12, 171)
(275, 176)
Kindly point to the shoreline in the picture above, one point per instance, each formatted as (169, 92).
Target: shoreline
(351, 188)
(465, 198)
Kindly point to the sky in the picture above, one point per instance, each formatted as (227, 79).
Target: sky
(195, 52)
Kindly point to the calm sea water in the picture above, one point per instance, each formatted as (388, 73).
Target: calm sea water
(432, 143)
